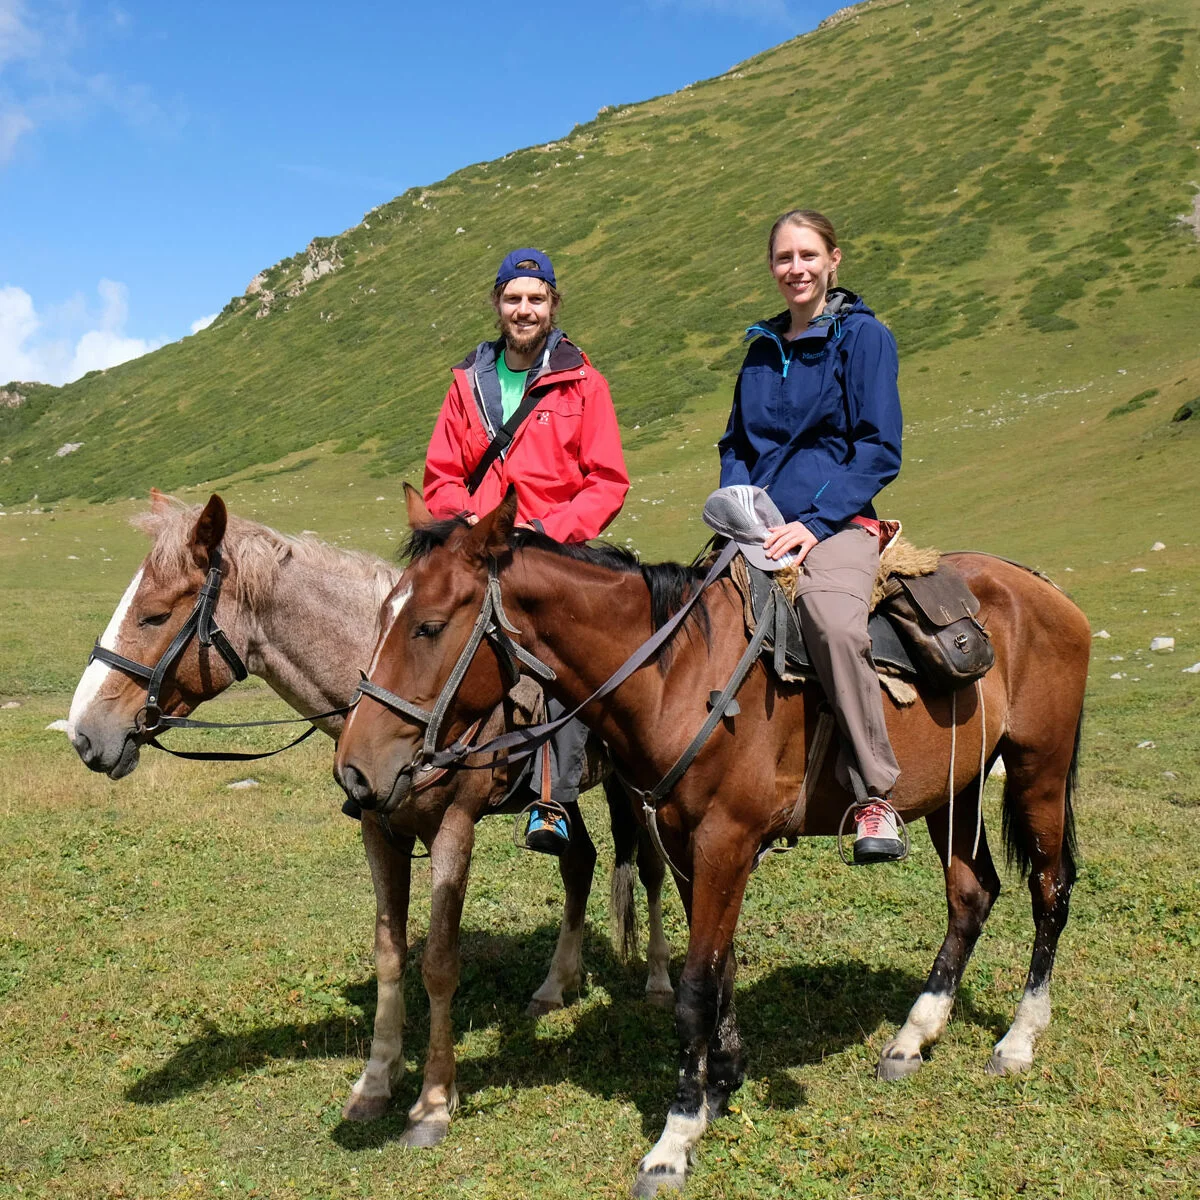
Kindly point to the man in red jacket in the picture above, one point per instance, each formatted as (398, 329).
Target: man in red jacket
(529, 410)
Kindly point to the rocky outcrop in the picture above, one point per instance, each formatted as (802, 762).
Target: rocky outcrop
(319, 261)
(11, 398)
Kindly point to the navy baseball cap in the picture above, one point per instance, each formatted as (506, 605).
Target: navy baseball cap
(527, 263)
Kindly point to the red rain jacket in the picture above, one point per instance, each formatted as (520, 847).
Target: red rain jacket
(565, 459)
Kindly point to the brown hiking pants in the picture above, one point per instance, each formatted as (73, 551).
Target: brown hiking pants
(832, 599)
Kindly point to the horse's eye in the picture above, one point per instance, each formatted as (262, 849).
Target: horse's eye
(155, 619)
(429, 629)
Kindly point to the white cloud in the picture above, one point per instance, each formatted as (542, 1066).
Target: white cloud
(17, 39)
(68, 340)
(47, 56)
(203, 322)
(13, 123)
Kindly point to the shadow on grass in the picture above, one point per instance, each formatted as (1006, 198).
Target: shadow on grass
(792, 1017)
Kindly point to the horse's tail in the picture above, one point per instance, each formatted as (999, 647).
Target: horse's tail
(1015, 833)
(622, 910)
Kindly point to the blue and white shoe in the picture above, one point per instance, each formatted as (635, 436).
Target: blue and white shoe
(548, 832)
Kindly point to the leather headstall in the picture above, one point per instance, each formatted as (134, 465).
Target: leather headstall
(200, 625)
(493, 624)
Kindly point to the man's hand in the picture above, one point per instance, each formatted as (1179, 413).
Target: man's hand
(792, 536)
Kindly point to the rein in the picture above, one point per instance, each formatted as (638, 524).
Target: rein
(493, 624)
(531, 737)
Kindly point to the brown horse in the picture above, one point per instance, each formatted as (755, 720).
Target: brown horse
(583, 611)
(304, 616)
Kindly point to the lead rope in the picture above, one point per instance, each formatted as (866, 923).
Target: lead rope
(982, 765)
(950, 781)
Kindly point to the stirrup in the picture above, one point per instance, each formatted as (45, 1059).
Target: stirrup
(901, 829)
(552, 812)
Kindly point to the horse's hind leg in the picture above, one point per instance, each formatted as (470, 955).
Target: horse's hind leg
(576, 865)
(652, 871)
(631, 842)
(972, 886)
(1041, 836)
(391, 869)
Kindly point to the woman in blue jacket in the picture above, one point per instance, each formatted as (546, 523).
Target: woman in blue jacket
(816, 422)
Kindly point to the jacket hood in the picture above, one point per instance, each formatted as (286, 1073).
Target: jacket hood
(564, 355)
(840, 303)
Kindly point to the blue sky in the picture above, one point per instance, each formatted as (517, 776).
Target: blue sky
(155, 155)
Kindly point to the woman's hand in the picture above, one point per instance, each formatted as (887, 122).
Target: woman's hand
(792, 536)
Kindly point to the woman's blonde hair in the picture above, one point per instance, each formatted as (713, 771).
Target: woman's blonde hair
(806, 218)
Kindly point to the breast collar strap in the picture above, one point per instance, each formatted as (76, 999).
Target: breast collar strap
(493, 624)
(201, 625)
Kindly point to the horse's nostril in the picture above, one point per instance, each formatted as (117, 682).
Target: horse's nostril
(83, 747)
(354, 783)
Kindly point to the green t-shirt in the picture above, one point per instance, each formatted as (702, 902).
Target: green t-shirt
(512, 387)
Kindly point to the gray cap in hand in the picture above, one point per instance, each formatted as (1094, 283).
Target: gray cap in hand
(744, 513)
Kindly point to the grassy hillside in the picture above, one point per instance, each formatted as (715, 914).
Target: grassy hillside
(1007, 179)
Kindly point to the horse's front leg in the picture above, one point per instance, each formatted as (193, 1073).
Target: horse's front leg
(450, 859)
(391, 871)
(576, 865)
(710, 1047)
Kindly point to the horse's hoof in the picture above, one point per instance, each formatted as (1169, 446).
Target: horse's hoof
(999, 1065)
(539, 1008)
(657, 1180)
(420, 1135)
(664, 1000)
(365, 1108)
(897, 1067)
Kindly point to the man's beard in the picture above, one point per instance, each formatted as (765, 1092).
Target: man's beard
(522, 341)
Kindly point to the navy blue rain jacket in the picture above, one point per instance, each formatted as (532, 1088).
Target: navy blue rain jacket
(816, 421)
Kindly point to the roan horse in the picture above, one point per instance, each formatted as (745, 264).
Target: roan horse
(584, 611)
(304, 616)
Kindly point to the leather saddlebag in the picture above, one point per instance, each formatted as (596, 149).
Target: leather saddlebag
(936, 616)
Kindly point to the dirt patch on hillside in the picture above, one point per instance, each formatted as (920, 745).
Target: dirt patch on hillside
(1192, 219)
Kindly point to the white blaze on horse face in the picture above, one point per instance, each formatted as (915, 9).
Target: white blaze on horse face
(400, 601)
(97, 672)
(395, 606)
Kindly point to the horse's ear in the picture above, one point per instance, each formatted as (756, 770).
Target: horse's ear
(209, 530)
(492, 534)
(418, 514)
(160, 502)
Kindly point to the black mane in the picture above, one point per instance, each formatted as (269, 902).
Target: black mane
(669, 583)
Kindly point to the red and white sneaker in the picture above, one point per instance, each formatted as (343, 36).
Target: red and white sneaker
(878, 838)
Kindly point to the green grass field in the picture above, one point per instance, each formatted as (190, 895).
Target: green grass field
(186, 977)
(186, 987)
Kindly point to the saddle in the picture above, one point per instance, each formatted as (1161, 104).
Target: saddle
(922, 623)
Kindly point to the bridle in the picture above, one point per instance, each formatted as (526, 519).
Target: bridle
(529, 738)
(200, 625)
(493, 624)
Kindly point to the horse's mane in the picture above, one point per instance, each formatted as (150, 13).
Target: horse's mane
(255, 552)
(669, 583)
